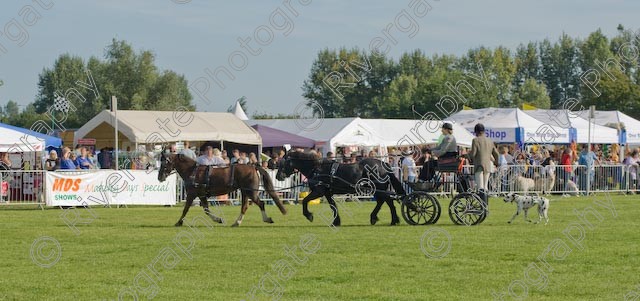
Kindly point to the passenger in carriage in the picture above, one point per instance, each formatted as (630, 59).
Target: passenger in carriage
(448, 148)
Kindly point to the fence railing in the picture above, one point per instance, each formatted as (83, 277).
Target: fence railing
(28, 186)
(553, 179)
(22, 187)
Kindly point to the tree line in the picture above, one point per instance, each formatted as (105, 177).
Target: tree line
(594, 71)
(87, 87)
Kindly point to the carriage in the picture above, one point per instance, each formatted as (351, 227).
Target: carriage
(421, 207)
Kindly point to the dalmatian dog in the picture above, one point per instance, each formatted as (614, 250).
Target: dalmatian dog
(526, 202)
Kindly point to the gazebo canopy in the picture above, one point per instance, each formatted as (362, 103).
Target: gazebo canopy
(154, 127)
(275, 138)
(49, 141)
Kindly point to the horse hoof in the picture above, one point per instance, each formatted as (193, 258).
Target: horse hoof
(374, 220)
(179, 224)
(269, 221)
(235, 224)
(309, 217)
(393, 224)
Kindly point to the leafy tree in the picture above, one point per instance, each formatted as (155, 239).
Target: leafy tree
(132, 77)
(243, 104)
(533, 93)
(561, 69)
(620, 93)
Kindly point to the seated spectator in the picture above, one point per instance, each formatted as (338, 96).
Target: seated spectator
(53, 162)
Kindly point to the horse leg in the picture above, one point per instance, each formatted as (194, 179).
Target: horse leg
(205, 207)
(190, 197)
(334, 208)
(305, 203)
(243, 209)
(392, 207)
(374, 213)
(256, 200)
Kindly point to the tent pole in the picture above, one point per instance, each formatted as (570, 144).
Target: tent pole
(114, 107)
(221, 145)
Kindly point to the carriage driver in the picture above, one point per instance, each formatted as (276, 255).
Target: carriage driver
(211, 157)
(448, 147)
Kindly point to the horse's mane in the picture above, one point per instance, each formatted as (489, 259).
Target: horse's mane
(303, 156)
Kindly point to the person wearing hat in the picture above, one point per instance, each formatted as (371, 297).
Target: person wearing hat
(447, 148)
(482, 152)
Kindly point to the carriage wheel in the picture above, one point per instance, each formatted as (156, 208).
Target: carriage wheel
(420, 208)
(467, 209)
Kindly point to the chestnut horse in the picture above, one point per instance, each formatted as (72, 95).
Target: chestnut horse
(221, 181)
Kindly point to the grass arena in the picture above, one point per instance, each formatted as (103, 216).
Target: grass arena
(587, 251)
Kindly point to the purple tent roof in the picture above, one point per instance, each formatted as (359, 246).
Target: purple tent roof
(274, 138)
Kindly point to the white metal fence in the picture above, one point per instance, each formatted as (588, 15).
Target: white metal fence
(28, 187)
(22, 187)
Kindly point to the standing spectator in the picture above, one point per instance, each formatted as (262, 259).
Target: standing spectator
(373, 155)
(243, 158)
(92, 159)
(77, 150)
(53, 162)
(273, 162)
(566, 169)
(235, 155)
(224, 157)
(188, 152)
(331, 156)
(253, 159)
(67, 162)
(632, 161)
(408, 167)
(83, 161)
(5, 163)
(105, 158)
(482, 152)
(587, 160)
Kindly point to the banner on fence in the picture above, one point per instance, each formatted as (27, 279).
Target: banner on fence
(122, 187)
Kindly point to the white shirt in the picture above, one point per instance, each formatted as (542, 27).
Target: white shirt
(411, 166)
(187, 152)
(205, 160)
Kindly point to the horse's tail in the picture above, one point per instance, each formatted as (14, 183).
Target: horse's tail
(268, 186)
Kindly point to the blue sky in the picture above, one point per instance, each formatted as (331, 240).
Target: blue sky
(190, 37)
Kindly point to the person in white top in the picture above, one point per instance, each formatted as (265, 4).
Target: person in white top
(188, 152)
(409, 167)
(211, 156)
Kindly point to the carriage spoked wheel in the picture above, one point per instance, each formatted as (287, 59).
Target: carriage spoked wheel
(420, 208)
(467, 209)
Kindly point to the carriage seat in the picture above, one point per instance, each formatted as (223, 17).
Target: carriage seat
(449, 164)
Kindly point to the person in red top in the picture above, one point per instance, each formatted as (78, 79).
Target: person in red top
(565, 161)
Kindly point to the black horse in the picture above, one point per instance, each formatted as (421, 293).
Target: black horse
(327, 178)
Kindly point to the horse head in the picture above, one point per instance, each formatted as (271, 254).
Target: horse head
(166, 165)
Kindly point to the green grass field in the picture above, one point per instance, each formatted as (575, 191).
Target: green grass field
(124, 246)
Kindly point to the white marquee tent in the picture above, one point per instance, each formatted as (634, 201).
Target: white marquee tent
(567, 119)
(15, 141)
(508, 125)
(156, 127)
(406, 131)
(329, 133)
(613, 118)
